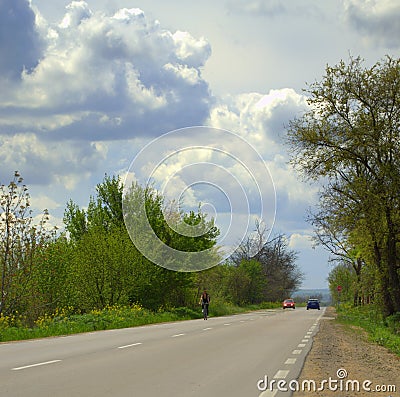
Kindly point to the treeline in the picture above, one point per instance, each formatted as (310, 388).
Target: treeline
(93, 264)
(349, 141)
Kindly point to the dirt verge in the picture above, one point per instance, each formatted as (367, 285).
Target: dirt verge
(341, 348)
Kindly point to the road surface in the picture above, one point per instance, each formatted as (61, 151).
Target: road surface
(226, 356)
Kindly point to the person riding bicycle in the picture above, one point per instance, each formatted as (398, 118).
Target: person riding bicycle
(205, 301)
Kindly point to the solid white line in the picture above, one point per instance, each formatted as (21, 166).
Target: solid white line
(175, 336)
(133, 344)
(281, 374)
(291, 361)
(36, 365)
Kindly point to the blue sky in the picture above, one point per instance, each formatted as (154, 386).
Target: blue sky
(85, 86)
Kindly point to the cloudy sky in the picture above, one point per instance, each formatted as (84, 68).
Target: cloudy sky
(85, 86)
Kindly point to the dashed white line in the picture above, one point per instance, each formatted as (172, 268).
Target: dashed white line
(297, 351)
(131, 345)
(309, 332)
(177, 335)
(307, 337)
(206, 329)
(269, 393)
(291, 361)
(301, 345)
(36, 365)
(305, 340)
(281, 374)
(227, 324)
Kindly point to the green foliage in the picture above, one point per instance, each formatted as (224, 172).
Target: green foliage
(349, 140)
(66, 321)
(20, 241)
(369, 317)
(97, 273)
(103, 268)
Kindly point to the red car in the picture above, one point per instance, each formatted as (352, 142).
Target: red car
(289, 303)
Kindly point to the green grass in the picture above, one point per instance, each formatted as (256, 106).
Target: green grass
(383, 332)
(65, 322)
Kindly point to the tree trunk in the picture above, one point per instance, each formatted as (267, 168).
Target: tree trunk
(393, 276)
(388, 307)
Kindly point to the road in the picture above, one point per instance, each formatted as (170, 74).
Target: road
(225, 356)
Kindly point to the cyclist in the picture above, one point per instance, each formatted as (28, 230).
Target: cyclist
(205, 301)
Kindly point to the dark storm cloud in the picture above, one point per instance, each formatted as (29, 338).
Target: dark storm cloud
(20, 44)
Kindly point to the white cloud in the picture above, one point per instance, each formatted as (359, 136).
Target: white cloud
(299, 241)
(122, 68)
(77, 11)
(377, 20)
(42, 202)
(41, 162)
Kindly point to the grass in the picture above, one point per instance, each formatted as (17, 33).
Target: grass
(385, 332)
(66, 322)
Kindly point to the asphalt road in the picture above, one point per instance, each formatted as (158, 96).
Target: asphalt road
(226, 356)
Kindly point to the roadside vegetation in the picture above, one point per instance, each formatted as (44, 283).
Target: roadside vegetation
(90, 276)
(383, 331)
(349, 143)
(66, 321)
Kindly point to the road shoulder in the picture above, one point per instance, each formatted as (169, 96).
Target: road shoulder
(337, 347)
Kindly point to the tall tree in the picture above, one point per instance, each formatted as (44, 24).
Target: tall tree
(20, 240)
(349, 140)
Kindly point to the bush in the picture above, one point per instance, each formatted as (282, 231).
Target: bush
(393, 323)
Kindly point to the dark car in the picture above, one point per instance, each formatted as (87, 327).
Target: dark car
(313, 304)
(289, 303)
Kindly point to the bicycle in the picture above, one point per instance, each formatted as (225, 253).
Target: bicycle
(205, 310)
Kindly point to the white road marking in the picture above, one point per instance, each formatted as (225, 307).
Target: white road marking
(227, 324)
(309, 332)
(175, 336)
(36, 365)
(305, 340)
(291, 361)
(297, 351)
(307, 336)
(281, 374)
(301, 345)
(131, 345)
(206, 329)
(268, 393)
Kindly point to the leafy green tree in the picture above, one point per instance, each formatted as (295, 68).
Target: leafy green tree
(20, 239)
(349, 140)
(345, 276)
(51, 280)
(104, 268)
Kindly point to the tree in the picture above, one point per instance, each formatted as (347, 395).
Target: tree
(349, 141)
(104, 268)
(20, 239)
(280, 273)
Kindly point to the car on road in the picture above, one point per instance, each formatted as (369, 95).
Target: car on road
(313, 304)
(289, 303)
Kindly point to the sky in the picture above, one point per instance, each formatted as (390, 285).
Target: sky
(201, 91)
